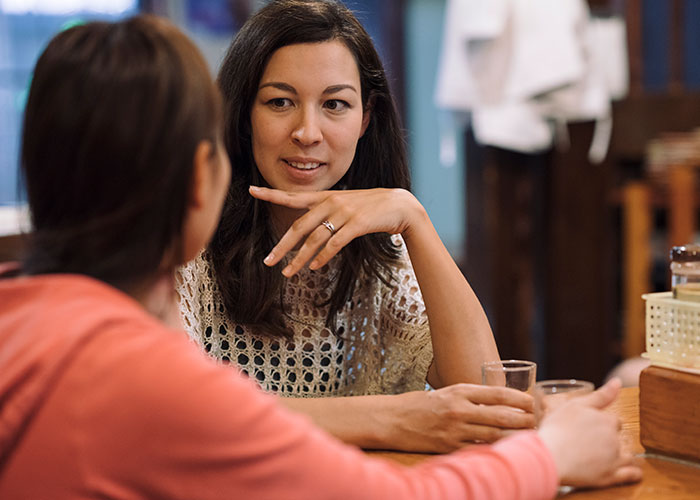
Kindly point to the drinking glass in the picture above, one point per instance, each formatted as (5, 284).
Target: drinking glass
(551, 393)
(513, 373)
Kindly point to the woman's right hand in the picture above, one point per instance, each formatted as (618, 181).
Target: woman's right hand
(449, 418)
(585, 442)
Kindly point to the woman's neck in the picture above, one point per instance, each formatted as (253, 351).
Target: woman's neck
(157, 296)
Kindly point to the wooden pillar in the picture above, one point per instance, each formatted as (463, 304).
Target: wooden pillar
(637, 226)
(681, 214)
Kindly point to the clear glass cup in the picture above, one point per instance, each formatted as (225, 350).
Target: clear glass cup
(549, 394)
(513, 373)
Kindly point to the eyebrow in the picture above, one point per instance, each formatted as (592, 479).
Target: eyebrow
(333, 89)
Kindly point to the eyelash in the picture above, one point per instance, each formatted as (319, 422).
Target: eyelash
(344, 105)
(275, 104)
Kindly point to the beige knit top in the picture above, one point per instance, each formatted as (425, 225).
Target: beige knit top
(383, 344)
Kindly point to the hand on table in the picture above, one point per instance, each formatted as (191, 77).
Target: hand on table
(352, 213)
(446, 419)
(585, 441)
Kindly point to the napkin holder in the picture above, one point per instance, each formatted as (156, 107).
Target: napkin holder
(669, 412)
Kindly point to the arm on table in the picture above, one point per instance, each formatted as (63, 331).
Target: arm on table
(422, 421)
(214, 433)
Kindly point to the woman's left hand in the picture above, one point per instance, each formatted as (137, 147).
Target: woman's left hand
(335, 218)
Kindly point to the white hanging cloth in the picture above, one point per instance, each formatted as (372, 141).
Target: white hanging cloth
(522, 67)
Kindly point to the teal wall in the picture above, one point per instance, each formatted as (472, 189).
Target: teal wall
(439, 188)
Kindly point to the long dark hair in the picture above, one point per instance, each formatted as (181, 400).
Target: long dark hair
(251, 291)
(114, 116)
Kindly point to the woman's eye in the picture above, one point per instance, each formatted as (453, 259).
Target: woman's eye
(279, 103)
(336, 105)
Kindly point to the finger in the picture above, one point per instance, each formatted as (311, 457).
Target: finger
(493, 395)
(301, 227)
(482, 433)
(503, 417)
(335, 244)
(623, 475)
(305, 199)
(315, 240)
(602, 397)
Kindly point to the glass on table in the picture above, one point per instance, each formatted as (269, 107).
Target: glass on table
(513, 373)
(550, 394)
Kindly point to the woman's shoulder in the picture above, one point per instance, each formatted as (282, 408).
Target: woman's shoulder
(197, 269)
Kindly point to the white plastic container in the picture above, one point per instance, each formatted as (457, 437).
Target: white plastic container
(672, 331)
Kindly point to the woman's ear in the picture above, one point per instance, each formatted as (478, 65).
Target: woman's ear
(201, 175)
(366, 115)
(196, 224)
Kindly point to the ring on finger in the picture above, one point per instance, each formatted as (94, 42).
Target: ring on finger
(329, 225)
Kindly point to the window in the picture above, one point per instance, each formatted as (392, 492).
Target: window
(26, 26)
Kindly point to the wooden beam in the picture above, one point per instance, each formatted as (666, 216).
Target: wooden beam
(681, 214)
(636, 228)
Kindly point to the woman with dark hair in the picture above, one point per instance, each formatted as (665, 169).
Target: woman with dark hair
(382, 308)
(99, 398)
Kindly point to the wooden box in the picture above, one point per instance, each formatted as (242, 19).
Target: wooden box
(669, 412)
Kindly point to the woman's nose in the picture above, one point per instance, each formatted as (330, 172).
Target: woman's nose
(308, 130)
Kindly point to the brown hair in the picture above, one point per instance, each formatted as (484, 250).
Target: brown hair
(114, 115)
(251, 292)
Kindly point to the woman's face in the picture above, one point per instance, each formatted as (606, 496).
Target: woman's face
(307, 116)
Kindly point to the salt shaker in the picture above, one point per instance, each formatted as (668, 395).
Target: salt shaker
(685, 272)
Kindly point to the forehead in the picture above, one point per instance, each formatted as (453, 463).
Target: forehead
(313, 64)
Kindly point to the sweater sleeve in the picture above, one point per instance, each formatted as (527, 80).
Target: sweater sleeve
(166, 422)
(405, 329)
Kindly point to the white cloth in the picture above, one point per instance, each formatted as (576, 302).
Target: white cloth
(468, 23)
(521, 67)
(515, 125)
(608, 38)
(384, 345)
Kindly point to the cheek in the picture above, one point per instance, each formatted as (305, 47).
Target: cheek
(343, 138)
(266, 136)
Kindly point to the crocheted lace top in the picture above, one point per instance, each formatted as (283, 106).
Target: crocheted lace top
(382, 347)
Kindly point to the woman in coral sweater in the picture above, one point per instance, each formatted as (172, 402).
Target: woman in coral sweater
(126, 175)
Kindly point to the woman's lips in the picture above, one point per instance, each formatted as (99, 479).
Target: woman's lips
(310, 165)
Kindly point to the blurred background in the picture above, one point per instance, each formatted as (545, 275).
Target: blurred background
(554, 144)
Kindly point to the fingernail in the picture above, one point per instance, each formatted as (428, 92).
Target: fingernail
(314, 265)
(268, 260)
(287, 271)
(254, 188)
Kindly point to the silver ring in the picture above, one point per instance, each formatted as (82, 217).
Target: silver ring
(329, 225)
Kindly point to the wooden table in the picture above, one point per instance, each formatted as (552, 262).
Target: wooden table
(664, 479)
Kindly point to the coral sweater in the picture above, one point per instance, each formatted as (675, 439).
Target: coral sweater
(99, 400)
